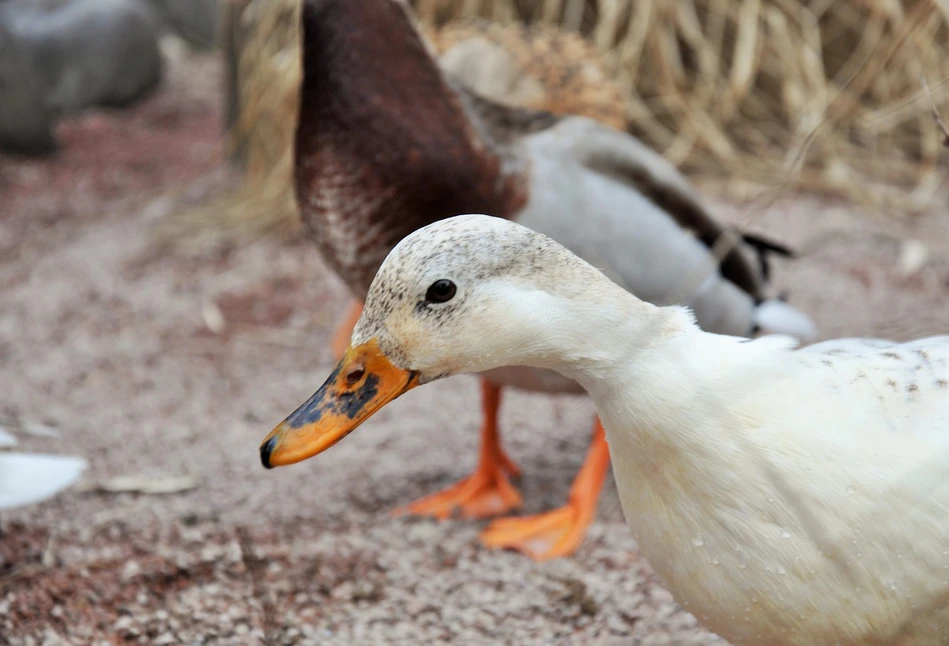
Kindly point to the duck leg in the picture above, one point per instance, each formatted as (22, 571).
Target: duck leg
(558, 532)
(487, 491)
(344, 331)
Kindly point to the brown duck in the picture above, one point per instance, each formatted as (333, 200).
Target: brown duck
(388, 143)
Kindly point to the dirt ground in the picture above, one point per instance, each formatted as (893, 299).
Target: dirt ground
(106, 341)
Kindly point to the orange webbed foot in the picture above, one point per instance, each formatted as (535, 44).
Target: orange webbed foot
(558, 532)
(485, 493)
(544, 536)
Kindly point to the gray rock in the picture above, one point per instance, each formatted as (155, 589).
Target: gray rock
(25, 120)
(63, 56)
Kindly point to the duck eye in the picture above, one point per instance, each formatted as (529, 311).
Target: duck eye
(441, 291)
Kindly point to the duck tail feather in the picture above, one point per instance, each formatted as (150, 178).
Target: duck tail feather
(763, 247)
(777, 317)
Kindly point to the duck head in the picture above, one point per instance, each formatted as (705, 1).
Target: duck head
(463, 295)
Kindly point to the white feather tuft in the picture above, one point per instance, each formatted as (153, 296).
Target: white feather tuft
(27, 478)
(6, 439)
(777, 317)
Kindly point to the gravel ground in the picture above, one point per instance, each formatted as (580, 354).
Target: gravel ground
(106, 340)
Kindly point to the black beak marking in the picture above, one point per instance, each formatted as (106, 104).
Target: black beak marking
(265, 450)
(329, 400)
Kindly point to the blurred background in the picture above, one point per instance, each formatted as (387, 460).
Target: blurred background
(161, 308)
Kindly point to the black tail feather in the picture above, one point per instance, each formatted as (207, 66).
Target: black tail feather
(763, 247)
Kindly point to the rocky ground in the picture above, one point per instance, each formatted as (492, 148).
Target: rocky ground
(107, 341)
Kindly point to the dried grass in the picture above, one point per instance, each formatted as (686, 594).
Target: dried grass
(819, 95)
(260, 40)
(536, 66)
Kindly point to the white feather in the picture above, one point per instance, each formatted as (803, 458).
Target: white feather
(777, 317)
(27, 478)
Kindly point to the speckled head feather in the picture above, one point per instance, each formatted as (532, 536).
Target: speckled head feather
(493, 263)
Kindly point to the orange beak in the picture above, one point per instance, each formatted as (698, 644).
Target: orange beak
(362, 382)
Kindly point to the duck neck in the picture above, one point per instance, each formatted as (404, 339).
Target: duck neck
(590, 330)
(641, 364)
(384, 145)
(367, 71)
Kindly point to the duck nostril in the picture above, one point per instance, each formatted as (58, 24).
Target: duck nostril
(354, 375)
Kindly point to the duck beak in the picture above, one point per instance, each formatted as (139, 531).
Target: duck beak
(362, 382)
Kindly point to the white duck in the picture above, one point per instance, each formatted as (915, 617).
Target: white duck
(28, 478)
(784, 496)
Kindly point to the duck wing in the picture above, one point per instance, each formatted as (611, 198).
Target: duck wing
(624, 158)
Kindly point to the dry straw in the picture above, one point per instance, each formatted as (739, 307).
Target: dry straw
(260, 45)
(820, 95)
